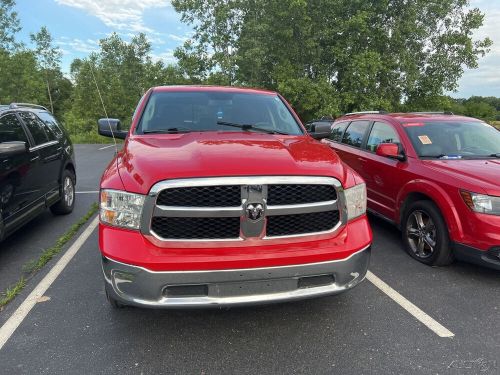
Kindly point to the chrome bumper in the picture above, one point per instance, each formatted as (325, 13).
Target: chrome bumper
(137, 286)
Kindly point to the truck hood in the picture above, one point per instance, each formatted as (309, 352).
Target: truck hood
(483, 174)
(148, 159)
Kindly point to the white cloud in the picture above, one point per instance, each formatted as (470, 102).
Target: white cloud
(166, 56)
(118, 14)
(178, 38)
(77, 45)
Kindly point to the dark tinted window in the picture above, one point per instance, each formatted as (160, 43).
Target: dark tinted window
(35, 126)
(209, 110)
(381, 133)
(337, 131)
(11, 129)
(51, 123)
(355, 133)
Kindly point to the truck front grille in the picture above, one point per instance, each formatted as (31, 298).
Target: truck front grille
(239, 208)
(196, 228)
(290, 225)
(201, 196)
(299, 194)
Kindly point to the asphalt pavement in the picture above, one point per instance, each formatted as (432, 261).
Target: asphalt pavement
(74, 331)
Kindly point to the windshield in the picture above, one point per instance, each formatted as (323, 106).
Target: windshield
(454, 139)
(216, 111)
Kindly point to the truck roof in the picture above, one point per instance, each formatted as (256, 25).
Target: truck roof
(203, 88)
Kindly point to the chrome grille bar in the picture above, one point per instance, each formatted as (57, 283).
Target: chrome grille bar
(253, 192)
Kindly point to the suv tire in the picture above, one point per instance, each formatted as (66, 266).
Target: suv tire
(67, 188)
(425, 234)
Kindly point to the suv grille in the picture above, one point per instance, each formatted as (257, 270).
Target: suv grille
(299, 194)
(243, 207)
(202, 196)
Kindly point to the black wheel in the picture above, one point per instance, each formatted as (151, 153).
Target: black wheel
(65, 205)
(425, 234)
(113, 302)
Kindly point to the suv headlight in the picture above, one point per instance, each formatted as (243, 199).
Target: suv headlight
(484, 204)
(355, 201)
(121, 209)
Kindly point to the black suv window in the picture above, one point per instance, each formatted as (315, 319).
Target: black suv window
(381, 133)
(11, 129)
(355, 133)
(36, 127)
(51, 123)
(337, 131)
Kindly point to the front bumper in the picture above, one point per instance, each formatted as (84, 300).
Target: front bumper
(132, 285)
(489, 258)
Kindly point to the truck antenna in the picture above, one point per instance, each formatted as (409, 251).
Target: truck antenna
(103, 106)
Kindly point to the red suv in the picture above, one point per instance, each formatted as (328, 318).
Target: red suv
(435, 175)
(219, 197)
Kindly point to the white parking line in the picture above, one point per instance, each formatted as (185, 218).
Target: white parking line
(105, 147)
(421, 316)
(88, 192)
(23, 310)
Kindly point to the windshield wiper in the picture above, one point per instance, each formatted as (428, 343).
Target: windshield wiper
(443, 156)
(433, 156)
(167, 131)
(250, 127)
(497, 155)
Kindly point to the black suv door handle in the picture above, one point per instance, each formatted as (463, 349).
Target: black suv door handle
(35, 158)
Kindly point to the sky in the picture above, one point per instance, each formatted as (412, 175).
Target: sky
(77, 26)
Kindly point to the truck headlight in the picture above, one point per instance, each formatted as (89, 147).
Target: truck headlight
(355, 198)
(121, 209)
(484, 204)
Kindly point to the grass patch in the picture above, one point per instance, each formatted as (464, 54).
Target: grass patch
(12, 292)
(90, 137)
(32, 267)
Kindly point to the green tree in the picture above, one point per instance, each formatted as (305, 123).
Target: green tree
(371, 54)
(49, 58)
(123, 71)
(9, 25)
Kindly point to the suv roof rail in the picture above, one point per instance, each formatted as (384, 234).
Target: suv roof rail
(366, 113)
(27, 105)
(433, 113)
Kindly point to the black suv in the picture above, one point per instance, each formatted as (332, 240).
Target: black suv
(37, 167)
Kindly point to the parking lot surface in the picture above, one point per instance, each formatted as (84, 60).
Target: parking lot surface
(74, 331)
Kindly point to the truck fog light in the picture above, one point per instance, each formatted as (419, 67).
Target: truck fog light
(121, 209)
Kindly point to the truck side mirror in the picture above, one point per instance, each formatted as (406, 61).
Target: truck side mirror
(108, 127)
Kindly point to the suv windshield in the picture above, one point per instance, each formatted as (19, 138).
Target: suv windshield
(454, 139)
(171, 112)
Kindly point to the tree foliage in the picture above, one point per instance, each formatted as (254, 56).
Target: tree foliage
(49, 59)
(123, 71)
(9, 25)
(348, 54)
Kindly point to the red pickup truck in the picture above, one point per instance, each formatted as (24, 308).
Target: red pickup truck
(219, 197)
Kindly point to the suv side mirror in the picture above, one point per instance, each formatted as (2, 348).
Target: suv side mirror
(319, 130)
(390, 150)
(108, 127)
(13, 148)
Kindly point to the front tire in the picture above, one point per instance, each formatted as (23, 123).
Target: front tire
(425, 234)
(67, 201)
